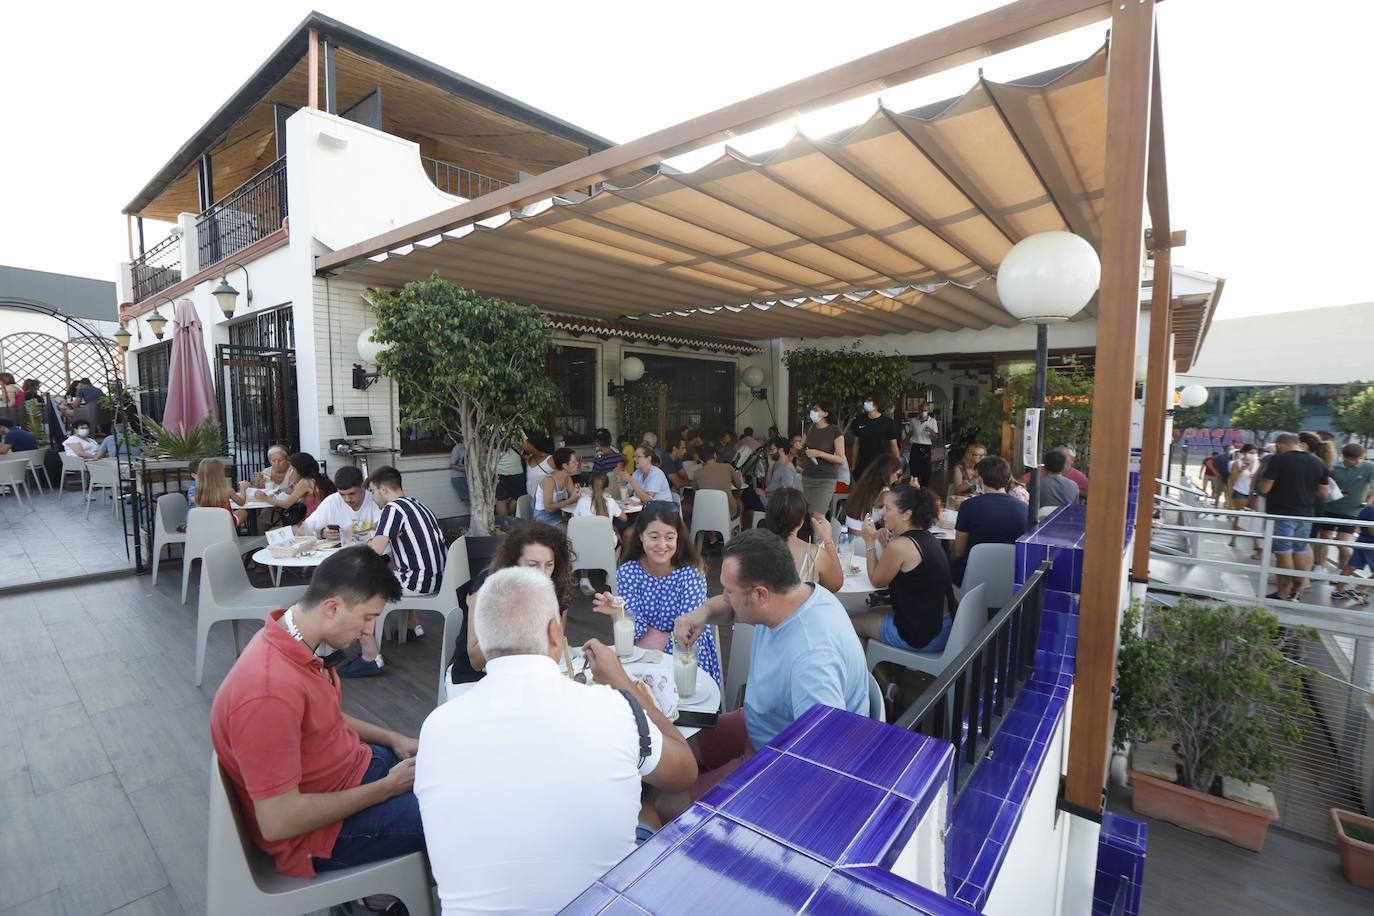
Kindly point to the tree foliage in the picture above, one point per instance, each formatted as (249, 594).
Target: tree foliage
(1068, 411)
(1214, 679)
(1354, 414)
(469, 366)
(1264, 411)
(1191, 417)
(844, 378)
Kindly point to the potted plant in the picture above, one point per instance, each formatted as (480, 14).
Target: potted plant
(1212, 682)
(1355, 835)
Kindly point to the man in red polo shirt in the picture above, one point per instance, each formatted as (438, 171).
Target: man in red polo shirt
(321, 789)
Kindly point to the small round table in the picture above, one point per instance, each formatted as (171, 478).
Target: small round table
(308, 560)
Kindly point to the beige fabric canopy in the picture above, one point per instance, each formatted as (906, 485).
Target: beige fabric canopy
(894, 226)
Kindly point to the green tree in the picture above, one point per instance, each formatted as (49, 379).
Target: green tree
(1191, 417)
(469, 366)
(1355, 414)
(1213, 678)
(1068, 411)
(1264, 411)
(844, 377)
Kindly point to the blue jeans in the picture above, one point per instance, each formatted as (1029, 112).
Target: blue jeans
(383, 831)
(460, 486)
(1285, 529)
(889, 636)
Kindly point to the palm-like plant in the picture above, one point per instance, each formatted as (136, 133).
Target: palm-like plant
(203, 441)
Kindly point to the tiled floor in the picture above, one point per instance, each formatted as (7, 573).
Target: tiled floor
(54, 539)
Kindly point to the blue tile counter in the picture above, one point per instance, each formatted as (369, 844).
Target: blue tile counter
(1120, 863)
(811, 824)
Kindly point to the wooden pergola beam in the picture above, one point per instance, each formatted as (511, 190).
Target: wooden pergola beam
(1012, 26)
(1129, 91)
(1156, 403)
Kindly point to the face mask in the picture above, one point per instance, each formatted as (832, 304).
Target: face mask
(815, 416)
(868, 407)
(83, 433)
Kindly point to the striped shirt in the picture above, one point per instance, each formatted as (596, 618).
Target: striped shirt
(417, 544)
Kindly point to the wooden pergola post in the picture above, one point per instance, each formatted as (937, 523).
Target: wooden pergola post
(1128, 129)
(312, 64)
(1156, 399)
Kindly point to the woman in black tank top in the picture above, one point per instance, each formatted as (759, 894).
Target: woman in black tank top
(914, 569)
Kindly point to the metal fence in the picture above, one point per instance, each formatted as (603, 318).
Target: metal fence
(251, 212)
(257, 402)
(454, 179)
(967, 703)
(158, 268)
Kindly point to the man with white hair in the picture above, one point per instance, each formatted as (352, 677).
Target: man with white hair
(529, 783)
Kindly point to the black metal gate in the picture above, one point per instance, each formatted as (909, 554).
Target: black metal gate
(257, 399)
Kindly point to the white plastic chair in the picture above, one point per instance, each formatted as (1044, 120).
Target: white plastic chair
(968, 620)
(711, 512)
(226, 594)
(737, 669)
(103, 475)
(14, 474)
(240, 878)
(592, 539)
(1045, 512)
(455, 576)
(36, 469)
(206, 526)
(448, 648)
(171, 512)
(877, 709)
(993, 566)
(72, 465)
(524, 508)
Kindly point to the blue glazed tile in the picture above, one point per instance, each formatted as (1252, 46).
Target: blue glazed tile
(724, 790)
(895, 888)
(622, 907)
(593, 900)
(962, 846)
(1015, 751)
(1057, 601)
(1020, 575)
(986, 865)
(1117, 827)
(885, 834)
(745, 872)
(624, 873)
(1026, 725)
(998, 779)
(807, 806)
(971, 894)
(857, 745)
(933, 765)
(800, 726)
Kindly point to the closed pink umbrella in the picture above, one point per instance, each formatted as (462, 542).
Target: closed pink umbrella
(190, 387)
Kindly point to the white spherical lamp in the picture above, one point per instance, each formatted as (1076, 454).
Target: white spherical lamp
(1048, 277)
(753, 376)
(632, 368)
(1192, 396)
(368, 348)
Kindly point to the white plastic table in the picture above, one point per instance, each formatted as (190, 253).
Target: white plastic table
(706, 699)
(307, 560)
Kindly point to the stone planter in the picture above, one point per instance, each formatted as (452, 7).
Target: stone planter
(1357, 857)
(1235, 822)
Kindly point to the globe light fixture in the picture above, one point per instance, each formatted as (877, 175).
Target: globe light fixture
(368, 349)
(1046, 277)
(1192, 396)
(753, 376)
(226, 297)
(631, 370)
(122, 337)
(157, 324)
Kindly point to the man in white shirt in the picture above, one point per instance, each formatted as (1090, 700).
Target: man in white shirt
(924, 431)
(529, 783)
(80, 443)
(351, 505)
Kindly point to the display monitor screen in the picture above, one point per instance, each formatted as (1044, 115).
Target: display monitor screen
(356, 427)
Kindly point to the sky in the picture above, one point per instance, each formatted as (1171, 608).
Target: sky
(1265, 113)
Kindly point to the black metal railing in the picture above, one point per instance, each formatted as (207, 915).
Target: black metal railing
(158, 268)
(454, 179)
(967, 703)
(251, 212)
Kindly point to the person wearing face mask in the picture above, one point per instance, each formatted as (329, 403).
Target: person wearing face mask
(80, 443)
(923, 433)
(875, 434)
(824, 455)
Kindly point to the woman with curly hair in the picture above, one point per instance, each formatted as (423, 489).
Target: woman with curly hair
(531, 544)
(914, 570)
(661, 577)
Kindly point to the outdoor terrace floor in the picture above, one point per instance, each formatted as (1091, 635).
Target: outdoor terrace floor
(104, 763)
(54, 539)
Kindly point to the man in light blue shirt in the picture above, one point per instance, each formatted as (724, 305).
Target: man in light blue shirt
(805, 651)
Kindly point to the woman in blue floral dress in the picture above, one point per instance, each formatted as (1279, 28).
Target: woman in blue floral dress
(661, 578)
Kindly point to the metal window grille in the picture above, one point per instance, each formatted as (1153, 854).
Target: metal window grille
(257, 402)
(158, 268)
(273, 329)
(154, 364)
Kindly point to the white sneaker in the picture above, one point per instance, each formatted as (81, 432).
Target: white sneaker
(586, 585)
